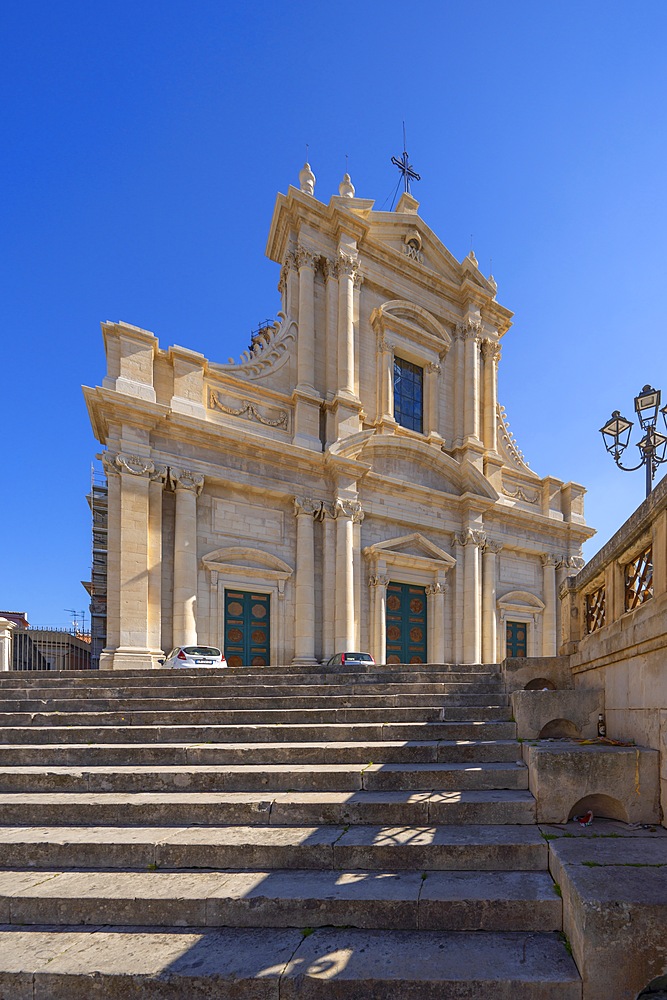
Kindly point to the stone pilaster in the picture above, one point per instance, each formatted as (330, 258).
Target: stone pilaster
(188, 485)
(431, 414)
(347, 273)
(307, 400)
(385, 352)
(156, 485)
(470, 334)
(129, 640)
(491, 356)
(328, 580)
(304, 583)
(549, 638)
(489, 589)
(378, 594)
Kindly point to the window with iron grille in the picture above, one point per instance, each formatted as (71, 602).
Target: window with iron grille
(408, 394)
(595, 610)
(639, 579)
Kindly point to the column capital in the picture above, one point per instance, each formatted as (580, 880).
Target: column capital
(159, 475)
(471, 536)
(469, 329)
(433, 368)
(185, 479)
(493, 547)
(305, 257)
(329, 268)
(349, 508)
(306, 505)
(134, 465)
(378, 581)
(435, 588)
(384, 346)
(491, 350)
(348, 266)
(549, 559)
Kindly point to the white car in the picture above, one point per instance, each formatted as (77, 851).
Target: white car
(195, 656)
(356, 659)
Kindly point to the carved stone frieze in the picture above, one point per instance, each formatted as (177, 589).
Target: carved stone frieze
(186, 479)
(249, 411)
(521, 494)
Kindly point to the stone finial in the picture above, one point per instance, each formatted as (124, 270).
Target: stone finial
(307, 179)
(346, 187)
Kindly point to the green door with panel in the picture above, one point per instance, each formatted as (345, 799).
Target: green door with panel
(247, 628)
(406, 623)
(517, 638)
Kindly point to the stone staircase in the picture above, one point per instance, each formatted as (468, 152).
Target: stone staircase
(272, 833)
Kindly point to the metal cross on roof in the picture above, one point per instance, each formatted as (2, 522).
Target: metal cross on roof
(405, 167)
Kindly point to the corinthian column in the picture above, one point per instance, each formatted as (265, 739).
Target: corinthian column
(155, 491)
(489, 577)
(435, 601)
(549, 643)
(347, 273)
(491, 355)
(347, 512)
(306, 344)
(188, 485)
(472, 540)
(304, 591)
(469, 331)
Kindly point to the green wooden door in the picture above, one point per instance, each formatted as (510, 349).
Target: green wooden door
(517, 638)
(247, 628)
(406, 623)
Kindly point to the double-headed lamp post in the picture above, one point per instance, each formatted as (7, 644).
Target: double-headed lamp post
(616, 434)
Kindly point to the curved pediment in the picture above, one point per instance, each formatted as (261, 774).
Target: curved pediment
(414, 462)
(412, 322)
(521, 600)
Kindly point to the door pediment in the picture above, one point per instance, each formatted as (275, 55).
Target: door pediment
(246, 561)
(410, 552)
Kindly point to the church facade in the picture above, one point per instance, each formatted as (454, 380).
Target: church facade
(351, 484)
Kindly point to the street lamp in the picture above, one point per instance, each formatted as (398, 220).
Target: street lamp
(616, 434)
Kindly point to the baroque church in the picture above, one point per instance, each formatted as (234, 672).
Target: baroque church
(351, 484)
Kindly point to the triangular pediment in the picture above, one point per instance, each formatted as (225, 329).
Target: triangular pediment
(413, 545)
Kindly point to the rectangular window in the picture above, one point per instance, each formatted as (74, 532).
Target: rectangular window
(408, 394)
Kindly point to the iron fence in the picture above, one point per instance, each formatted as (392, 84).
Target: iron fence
(46, 648)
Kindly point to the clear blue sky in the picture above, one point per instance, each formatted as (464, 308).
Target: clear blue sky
(143, 144)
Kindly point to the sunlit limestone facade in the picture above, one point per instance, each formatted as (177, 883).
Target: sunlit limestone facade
(350, 484)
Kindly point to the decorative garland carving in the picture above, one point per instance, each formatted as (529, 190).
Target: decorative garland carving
(519, 494)
(135, 465)
(247, 407)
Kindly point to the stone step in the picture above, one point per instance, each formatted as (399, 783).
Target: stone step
(168, 706)
(263, 777)
(254, 717)
(497, 806)
(231, 688)
(137, 674)
(379, 751)
(267, 733)
(259, 964)
(405, 900)
(433, 848)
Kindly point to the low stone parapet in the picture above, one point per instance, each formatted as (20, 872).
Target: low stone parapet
(568, 779)
(557, 714)
(533, 673)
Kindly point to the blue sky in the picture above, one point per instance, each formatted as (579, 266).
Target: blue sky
(143, 145)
